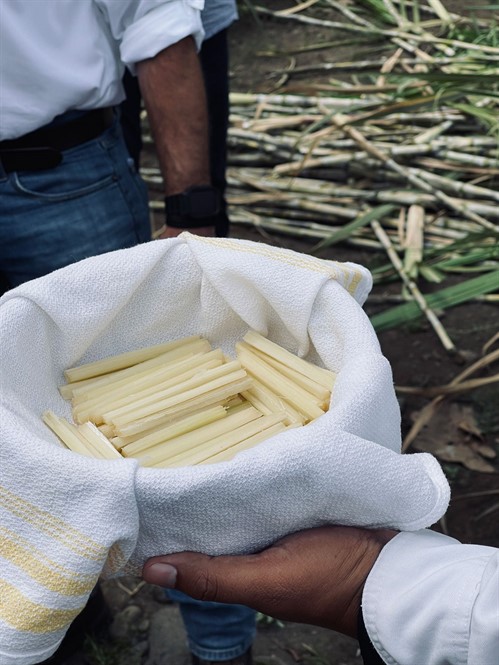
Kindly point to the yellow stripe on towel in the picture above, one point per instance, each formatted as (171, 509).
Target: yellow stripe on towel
(54, 527)
(356, 279)
(45, 572)
(21, 613)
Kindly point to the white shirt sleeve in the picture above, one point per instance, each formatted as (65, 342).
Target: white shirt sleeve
(143, 28)
(434, 601)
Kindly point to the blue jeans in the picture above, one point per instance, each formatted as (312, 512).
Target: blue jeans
(93, 202)
(216, 631)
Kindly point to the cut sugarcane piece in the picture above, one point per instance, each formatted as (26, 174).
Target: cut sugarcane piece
(118, 443)
(322, 376)
(257, 403)
(250, 442)
(95, 384)
(67, 390)
(99, 384)
(223, 442)
(275, 402)
(92, 434)
(95, 450)
(310, 385)
(259, 394)
(106, 430)
(217, 396)
(195, 387)
(190, 370)
(202, 375)
(234, 401)
(300, 399)
(179, 427)
(125, 440)
(198, 437)
(67, 433)
(123, 360)
(93, 409)
(167, 368)
(174, 408)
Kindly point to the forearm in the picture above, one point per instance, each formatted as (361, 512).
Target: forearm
(172, 86)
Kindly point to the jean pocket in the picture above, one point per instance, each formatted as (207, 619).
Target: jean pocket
(62, 183)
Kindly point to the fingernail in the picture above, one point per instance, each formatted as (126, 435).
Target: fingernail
(162, 574)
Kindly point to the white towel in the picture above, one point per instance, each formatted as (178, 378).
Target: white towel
(65, 520)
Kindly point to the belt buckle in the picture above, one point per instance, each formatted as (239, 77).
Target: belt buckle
(30, 159)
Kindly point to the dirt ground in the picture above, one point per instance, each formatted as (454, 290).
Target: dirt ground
(415, 353)
(146, 631)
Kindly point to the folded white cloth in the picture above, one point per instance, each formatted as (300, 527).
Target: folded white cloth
(66, 519)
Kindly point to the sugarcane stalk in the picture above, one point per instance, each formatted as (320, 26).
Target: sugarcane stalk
(352, 27)
(302, 230)
(351, 16)
(436, 237)
(434, 391)
(432, 133)
(446, 44)
(335, 160)
(415, 180)
(456, 186)
(397, 17)
(464, 158)
(425, 59)
(297, 8)
(412, 287)
(320, 189)
(285, 100)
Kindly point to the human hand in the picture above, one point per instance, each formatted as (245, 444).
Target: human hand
(314, 576)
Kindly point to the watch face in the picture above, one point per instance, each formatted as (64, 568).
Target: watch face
(203, 202)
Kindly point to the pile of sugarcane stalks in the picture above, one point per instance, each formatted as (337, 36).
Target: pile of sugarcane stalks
(400, 154)
(290, 177)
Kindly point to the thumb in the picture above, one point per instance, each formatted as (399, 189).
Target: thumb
(222, 579)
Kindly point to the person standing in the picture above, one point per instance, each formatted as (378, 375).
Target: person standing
(68, 187)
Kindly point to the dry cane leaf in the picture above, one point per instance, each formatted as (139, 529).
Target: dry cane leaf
(484, 450)
(465, 455)
(447, 436)
(470, 427)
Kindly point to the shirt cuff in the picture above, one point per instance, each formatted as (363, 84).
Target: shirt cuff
(421, 598)
(369, 654)
(160, 28)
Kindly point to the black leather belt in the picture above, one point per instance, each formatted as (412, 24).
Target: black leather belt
(42, 149)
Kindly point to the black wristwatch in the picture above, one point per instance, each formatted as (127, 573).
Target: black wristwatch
(192, 208)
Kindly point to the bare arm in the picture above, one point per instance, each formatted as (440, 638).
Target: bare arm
(172, 86)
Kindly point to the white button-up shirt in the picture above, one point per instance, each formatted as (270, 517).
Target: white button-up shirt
(60, 55)
(430, 600)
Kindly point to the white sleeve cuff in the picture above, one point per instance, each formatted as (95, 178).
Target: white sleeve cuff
(159, 28)
(429, 599)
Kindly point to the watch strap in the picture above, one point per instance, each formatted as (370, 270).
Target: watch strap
(184, 222)
(193, 207)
